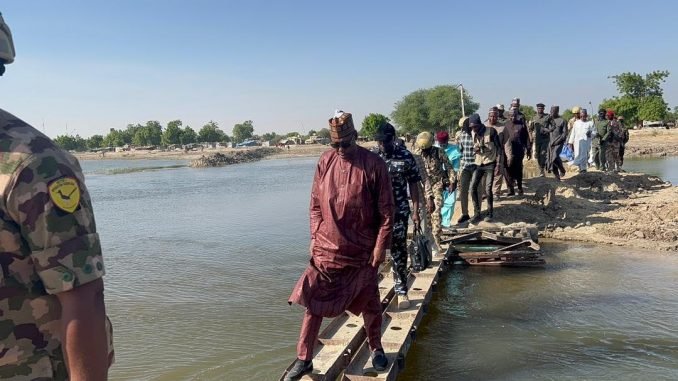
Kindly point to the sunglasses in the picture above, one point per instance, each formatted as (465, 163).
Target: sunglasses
(342, 145)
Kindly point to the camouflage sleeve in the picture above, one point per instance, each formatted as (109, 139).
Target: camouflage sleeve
(428, 190)
(49, 201)
(411, 169)
(448, 166)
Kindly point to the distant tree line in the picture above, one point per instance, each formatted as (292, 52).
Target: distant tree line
(154, 134)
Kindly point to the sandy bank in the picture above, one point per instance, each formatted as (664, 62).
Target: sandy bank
(627, 209)
(652, 142)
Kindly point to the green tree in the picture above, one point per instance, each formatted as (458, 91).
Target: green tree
(625, 106)
(147, 135)
(95, 141)
(672, 116)
(188, 136)
(270, 137)
(434, 109)
(129, 132)
(71, 143)
(528, 111)
(371, 123)
(153, 130)
(640, 97)
(114, 138)
(312, 132)
(210, 133)
(653, 108)
(567, 114)
(637, 86)
(172, 133)
(324, 133)
(243, 131)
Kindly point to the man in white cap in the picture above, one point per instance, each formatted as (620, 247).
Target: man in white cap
(580, 140)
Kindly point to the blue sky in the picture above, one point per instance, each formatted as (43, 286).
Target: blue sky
(286, 65)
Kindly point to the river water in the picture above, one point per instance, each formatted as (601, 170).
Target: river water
(200, 263)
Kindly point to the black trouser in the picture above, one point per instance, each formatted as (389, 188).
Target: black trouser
(399, 252)
(542, 151)
(515, 171)
(557, 167)
(488, 171)
(621, 153)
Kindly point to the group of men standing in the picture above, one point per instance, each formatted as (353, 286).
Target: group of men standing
(360, 203)
(359, 209)
(598, 143)
(493, 153)
(609, 141)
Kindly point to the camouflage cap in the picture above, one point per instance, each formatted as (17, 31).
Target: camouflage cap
(424, 140)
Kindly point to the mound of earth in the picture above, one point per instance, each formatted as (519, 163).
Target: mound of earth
(245, 156)
(626, 209)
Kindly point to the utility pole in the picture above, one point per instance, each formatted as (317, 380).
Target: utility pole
(461, 93)
(463, 112)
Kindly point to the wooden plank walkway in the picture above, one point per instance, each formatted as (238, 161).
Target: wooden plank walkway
(398, 329)
(343, 336)
(342, 352)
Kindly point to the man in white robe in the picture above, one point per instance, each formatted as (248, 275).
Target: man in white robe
(580, 140)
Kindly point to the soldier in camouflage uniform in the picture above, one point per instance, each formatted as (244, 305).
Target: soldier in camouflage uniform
(404, 174)
(539, 134)
(438, 179)
(599, 144)
(615, 141)
(51, 291)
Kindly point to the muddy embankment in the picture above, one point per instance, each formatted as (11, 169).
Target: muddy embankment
(652, 142)
(219, 159)
(626, 209)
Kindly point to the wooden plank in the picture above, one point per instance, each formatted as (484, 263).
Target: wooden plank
(398, 330)
(343, 336)
(500, 238)
(532, 263)
(495, 254)
(526, 243)
(461, 238)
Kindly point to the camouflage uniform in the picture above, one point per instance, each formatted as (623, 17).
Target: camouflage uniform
(48, 245)
(539, 134)
(437, 178)
(599, 144)
(614, 145)
(403, 170)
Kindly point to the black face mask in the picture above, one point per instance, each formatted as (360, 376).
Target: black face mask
(387, 147)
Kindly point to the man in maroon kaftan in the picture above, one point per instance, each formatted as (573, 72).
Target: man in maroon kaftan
(351, 222)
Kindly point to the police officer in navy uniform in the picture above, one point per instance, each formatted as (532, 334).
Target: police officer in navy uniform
(404, 175)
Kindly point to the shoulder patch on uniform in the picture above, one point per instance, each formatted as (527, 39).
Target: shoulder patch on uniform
(65, 193)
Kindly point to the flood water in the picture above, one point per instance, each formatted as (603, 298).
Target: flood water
(200, 263)
(666, 168)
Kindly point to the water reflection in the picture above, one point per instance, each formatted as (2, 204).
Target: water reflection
(593, 313)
